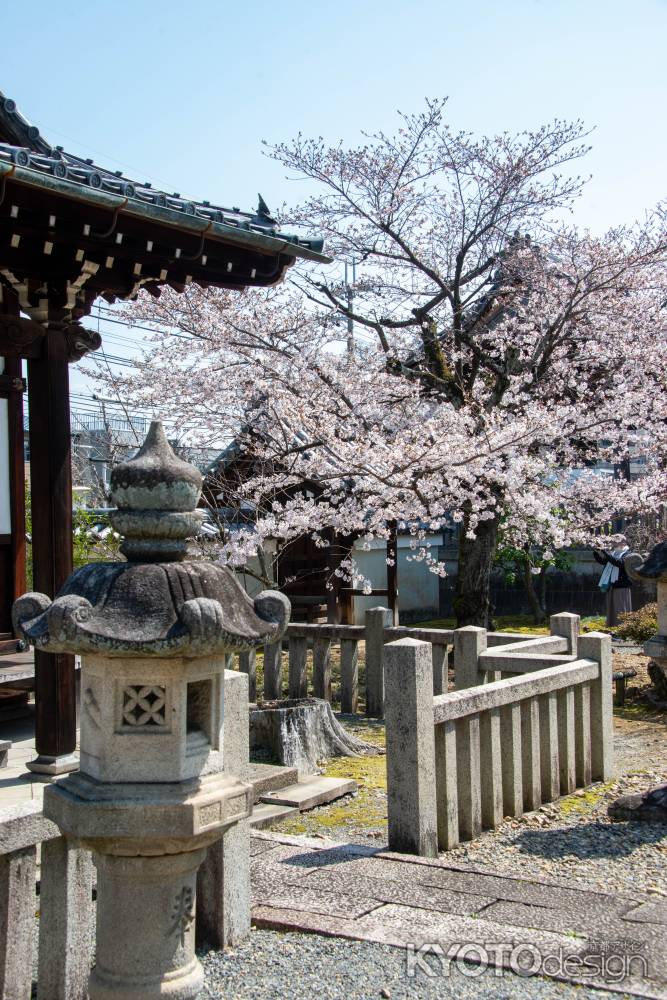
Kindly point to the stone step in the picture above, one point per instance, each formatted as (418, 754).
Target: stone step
(269, 777)
(265, 814)
(311, 792)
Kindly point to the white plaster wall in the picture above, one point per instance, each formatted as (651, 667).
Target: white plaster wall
(418, 588)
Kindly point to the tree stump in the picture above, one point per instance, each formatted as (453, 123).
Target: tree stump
(302, 732)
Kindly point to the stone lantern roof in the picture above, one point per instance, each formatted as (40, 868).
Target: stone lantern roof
(655, 566)
(157, 603)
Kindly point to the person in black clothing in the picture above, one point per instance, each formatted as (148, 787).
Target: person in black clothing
(615, 582)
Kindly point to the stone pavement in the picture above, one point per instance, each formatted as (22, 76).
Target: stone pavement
(17, 784)
(347, 890)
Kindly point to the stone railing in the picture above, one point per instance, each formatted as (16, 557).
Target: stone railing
(339, 685)
(528, 722)
(65, 905)
(60, 887)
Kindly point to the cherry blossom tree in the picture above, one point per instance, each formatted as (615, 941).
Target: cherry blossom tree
(491, 372)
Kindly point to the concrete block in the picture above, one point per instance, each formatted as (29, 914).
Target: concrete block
(223, 880)
(411, 779)
(549, 759)
(349, 676)
(23, 825)
(469, 778)
(223, 890)
(568, 776)
(446, 786)
(440, 660)
(248, 666)
(582, 734)
(530, 754)
(491, 769)
(17, 923)
(273, 682)
(510, 737)
(236, 729)
(66, 921)
(297, 676)
(322, 668)
(5, 747)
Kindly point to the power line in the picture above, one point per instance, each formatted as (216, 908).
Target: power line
(137, 326)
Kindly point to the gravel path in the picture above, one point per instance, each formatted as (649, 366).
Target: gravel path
(582, 847)
(277, 966)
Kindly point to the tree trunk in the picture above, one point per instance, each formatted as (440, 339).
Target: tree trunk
(536, 605)
(302, 733)
(472, 603)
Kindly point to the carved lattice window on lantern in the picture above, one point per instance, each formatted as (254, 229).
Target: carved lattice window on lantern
(144, 706)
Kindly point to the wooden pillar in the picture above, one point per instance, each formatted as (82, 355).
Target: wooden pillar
(51, 490)
(12, 541)
(392, 571)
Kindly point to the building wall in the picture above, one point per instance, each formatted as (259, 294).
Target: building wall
(418, 588)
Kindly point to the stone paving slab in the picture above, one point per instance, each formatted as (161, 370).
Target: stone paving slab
(390, 891)
(265, 814)
(375, 895)
(269, 777)
(311, 792)
(651, 912)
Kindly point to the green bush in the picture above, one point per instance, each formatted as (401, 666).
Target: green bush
(638, 626)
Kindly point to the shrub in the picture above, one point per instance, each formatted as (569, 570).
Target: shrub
(638, 626)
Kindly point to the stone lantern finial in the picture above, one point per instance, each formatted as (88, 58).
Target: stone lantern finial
(156, 495)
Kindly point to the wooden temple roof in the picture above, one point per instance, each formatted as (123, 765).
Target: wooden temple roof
(82, 231)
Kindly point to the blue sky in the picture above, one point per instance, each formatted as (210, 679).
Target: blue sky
(183, 94)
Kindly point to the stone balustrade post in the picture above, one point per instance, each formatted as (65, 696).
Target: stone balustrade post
(65, 921)
(248, 666)
(469, 642)
(223, 881)
(377, 620)
(567, 625)
(597, 646)
(411, 786)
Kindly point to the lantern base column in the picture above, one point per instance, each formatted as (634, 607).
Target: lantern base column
(146, 932)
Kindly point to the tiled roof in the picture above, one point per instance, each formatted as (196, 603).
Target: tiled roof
(22, 146)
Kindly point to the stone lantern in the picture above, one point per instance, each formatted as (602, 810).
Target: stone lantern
(150, 798)
(651, 805)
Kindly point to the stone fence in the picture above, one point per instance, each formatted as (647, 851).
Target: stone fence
(529, 721)
(339, 684)
(41, 872)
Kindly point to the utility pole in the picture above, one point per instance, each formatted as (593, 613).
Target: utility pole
(350, 301)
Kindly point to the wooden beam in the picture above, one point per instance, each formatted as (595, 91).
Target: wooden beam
(19, 337)
(51, 486)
